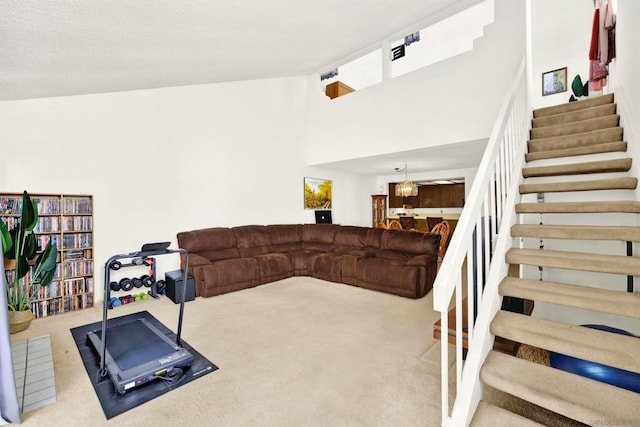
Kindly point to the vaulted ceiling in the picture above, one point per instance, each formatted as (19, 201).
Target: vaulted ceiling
(68, 47)
(71, 47)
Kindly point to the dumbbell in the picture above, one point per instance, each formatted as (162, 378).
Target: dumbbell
(161, 287)
(137, 282)
(114, 286)
(137, 261)
(126, 299)
(147, 280)
(126, 284)
(115, 265)
(141, 296)
(114, 302)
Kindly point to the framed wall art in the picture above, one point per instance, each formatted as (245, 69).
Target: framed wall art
(317, 193)
(554, 81)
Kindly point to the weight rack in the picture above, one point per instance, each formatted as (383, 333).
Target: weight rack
(148, 281)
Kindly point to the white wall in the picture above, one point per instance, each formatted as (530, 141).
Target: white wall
(426, 107)
(168, 160)
(561, 33)
(624, 84)
(623, 81)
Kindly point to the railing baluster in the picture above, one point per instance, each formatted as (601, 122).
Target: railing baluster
(474, 243)
(459, 337)
(444, 363)
(470, 292)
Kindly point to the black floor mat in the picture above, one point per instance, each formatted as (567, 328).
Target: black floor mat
(112, 402)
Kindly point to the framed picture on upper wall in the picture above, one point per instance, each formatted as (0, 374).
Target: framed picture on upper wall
(554, 81)
(317, 193)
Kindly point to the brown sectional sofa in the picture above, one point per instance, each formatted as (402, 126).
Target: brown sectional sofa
(399, 262)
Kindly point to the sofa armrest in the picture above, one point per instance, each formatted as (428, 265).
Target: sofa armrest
(424, 259)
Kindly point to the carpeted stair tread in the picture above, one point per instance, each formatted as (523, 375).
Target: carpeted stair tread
(577, 232)
(488, 415)
(573, 106)
(598, 346)
(598, 184)
(595, 299)
(573, 396)
(607, 147)
(624, 206)
(600, 166)
(576, 127)
(600, 263)
(599, 136)
(575, 116)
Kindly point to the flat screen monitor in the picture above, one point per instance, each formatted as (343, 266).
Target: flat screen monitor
(323, 217)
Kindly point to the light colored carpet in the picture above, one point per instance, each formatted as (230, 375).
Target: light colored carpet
(298, 352)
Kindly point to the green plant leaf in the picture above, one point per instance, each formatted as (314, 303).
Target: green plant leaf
(47, 277)
(29, 218)
(576, 86)
(14, 238)
(22, 268)
(5, 235)
(47, 259)
(30, 247)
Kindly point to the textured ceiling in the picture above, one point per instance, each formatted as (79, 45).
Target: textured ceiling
(68, 47)
(72, 47)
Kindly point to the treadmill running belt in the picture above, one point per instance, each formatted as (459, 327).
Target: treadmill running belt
(131, 344)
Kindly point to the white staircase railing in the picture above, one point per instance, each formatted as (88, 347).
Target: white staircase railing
(481, 236)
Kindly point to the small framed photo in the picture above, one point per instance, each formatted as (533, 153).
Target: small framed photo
(554, 81)
(317, 193)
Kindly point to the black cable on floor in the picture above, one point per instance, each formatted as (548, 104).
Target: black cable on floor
(173, 375)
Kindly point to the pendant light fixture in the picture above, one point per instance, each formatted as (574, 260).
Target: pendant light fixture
(406, 188)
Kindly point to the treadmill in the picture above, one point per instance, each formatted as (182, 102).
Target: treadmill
(136, 352)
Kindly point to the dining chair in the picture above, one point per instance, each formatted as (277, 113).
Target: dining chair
(394, 224)
(442, 228)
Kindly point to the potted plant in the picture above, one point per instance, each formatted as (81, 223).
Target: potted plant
(19, 247)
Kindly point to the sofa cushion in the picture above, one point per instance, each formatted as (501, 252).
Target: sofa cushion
(227, 275)
(349, 238)
(318, 237)
(301, 261)
(326, 266)
(410, 242)
(391, 276)
(275, 266)
(285, 237)
(393, 255)
(374, 236)
(214, 244)
(252, 240)
(350, 267)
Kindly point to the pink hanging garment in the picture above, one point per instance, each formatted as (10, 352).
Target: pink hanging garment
(597, 70)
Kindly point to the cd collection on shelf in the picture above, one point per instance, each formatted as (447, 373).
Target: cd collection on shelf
(67, 221)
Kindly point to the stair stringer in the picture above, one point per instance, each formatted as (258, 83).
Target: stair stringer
(482, 340)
